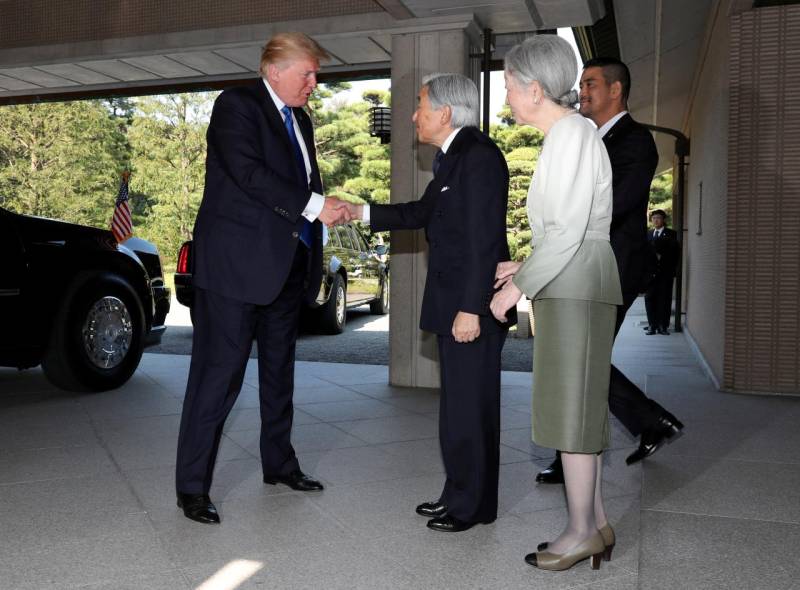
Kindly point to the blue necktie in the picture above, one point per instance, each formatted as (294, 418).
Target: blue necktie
(306, 235)
(437, 160)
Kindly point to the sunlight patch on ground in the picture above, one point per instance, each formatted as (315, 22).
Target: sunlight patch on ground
(232, 575)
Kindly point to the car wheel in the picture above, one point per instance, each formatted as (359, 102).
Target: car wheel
(380, 306)
(333, 314)
(97, 338)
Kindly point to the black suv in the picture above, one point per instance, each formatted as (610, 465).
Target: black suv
(76, 302)
(353, 274)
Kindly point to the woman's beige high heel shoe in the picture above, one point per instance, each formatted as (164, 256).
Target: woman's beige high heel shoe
(609, 540)
(592, 547)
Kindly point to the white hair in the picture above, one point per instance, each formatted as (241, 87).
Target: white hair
(459, 93)
(549, 60)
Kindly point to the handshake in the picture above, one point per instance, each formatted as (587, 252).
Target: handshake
(337, 212)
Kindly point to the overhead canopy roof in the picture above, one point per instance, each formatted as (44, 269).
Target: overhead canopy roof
(78, 48)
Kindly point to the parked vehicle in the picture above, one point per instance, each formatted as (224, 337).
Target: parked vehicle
(76, 302)
(354, 274)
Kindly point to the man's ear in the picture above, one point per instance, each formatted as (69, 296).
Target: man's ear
(272, 71)
(447, 114)
(615, 90)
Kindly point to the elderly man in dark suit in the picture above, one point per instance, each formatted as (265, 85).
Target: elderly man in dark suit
(258, 254)
(604, 88)
(463, 212)
(658, 297)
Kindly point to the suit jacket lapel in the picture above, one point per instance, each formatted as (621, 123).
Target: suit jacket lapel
(619, 130)
(451, 156)
(274, 117)
(307, 130)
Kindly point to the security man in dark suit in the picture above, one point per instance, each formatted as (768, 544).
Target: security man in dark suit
(658, 297)
(258, 254)
(604, 87)
(463, 212)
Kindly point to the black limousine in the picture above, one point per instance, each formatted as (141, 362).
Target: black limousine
(76, 302)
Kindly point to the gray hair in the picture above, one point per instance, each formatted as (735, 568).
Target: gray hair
(459, 93)
(549, 60)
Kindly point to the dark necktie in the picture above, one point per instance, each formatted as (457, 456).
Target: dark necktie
(306, 234)
(437, 160)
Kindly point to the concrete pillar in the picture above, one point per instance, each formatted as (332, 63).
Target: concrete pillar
(413, 353)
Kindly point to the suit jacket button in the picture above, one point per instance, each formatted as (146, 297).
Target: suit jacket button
(295, 234)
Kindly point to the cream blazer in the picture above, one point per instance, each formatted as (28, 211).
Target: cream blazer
(569, 210)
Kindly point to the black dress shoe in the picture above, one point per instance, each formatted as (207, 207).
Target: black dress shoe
(198, 507)
(432, 509)
(663, 331)
(450, 524)
(553, 474)
(297, 480)
(651, 331)
(667, 429)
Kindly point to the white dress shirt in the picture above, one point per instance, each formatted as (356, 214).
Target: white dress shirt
(317, 201)
(445, 146)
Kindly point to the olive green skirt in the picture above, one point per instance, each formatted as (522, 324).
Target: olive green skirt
(571, 371)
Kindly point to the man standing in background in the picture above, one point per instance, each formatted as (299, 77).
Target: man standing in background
(658, 298)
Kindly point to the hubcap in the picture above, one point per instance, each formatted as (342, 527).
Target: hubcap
(107, 332)
(340, 305)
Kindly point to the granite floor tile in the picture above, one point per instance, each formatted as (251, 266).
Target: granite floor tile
(392, 428)
(351, 410)
(705, 552)
(721, 487)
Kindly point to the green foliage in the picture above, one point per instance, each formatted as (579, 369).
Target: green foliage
(661, 195)
(169, 147)
(61, 160)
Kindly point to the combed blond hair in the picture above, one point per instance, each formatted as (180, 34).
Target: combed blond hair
(285, 46)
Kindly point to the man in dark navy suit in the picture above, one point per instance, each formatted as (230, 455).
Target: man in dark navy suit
(258, 255)
(463, 212)
(658, 297)
(604, 88)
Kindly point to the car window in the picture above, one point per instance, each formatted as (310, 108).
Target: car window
(345, 237)
(361, 241)
(333, 239)
(356, 243)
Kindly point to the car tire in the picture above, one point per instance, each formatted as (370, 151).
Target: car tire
(98, 336)
(380, 306)
(333, 314)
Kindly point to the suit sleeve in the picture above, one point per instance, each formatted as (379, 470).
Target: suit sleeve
(236, 144)
(485, 201)
(411, 215)
(633, 170)
(568, 191)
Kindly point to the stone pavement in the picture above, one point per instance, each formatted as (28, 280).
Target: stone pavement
(86, 488)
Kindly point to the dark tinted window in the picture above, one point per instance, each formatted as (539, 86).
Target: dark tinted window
(361, 241)
(345, 237)
(333, 238)
(357, 245)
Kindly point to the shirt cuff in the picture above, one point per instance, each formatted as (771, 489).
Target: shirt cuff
(314, 206)
(365, 213)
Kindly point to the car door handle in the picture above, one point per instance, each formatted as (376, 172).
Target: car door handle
(9, 292)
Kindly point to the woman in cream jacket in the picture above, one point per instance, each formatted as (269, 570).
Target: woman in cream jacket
(572, 277)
